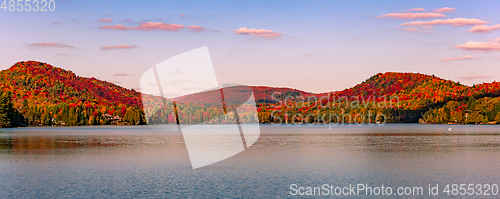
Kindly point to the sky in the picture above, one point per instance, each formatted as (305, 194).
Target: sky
(315, 46)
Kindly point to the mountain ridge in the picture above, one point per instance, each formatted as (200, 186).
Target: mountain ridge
(45, 94)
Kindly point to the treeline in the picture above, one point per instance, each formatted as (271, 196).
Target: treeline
(336, 111)
(64, 114)
(471, 111)
(9, 116)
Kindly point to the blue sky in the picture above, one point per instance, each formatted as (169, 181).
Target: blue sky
(315, 46)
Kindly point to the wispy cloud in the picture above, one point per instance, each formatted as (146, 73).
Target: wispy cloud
(127, 20)
(471, 77)
(120, 74)
(258, 32)
(159, 26)
(183, 15)
(451, 22)
(118, 47)
(416, 10)
(484, 28)
(411, 29)
(149, 26)
(115, 27)
(195, 28)
(445, 10)
(410, 15)
(50, 45)
(493, 45)
(105, 20)
(466, 57)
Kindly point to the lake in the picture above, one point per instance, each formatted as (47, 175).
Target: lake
(153, 162)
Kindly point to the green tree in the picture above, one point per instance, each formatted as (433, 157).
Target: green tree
(9, 116)
(497, 118)
(5, 109)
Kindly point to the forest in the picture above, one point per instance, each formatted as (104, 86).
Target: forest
(36, 93)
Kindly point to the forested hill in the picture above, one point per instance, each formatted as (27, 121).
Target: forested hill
(399, 97)
(45, 94)
(43, 84)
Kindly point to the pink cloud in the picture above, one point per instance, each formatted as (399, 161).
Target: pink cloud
(258, 32)
(484, 28)
(445, 10)
(466, 57)
(120, 74)
(411, 29)
(128, 20)
(494, 45)
(408, 15)
(159, 26)
(147, 27)
(471, 77)
(183, 15)
(114, 27)
(105, 20)
(118, 47)
(195, 28)
(50, 45)
(416, 10)
(451, 22)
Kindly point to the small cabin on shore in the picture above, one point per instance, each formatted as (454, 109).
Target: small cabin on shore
(112, 118)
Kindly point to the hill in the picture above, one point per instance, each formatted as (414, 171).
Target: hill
(396, 97)
(45, 94)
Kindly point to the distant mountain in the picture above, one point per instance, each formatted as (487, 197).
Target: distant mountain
(262, 94)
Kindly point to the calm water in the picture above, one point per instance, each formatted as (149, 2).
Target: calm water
(152, 162)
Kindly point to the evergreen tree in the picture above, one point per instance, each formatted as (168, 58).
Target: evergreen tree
(4, 110)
